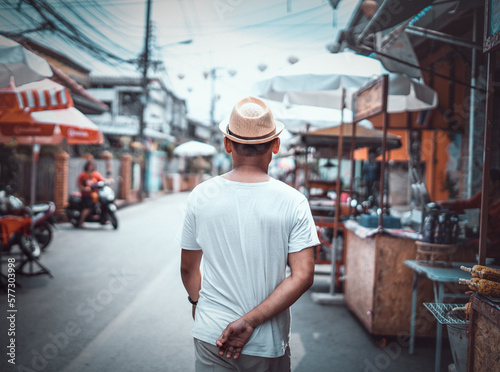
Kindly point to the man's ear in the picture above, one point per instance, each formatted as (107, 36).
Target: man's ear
(276, 146)
(228, 145)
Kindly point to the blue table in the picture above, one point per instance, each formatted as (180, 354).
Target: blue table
(439, 277)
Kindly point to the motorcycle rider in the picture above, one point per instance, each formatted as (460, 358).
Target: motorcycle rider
(86, 179)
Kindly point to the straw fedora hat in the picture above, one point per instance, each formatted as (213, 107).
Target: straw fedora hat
(251, 122)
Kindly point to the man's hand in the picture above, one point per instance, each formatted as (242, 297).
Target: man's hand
(234, 337)
(237, 333)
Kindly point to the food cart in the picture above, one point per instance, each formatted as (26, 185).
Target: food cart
(324, 141)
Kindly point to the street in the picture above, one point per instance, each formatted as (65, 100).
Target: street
(116, 303)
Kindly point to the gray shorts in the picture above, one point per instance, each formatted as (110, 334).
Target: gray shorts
(208, 360)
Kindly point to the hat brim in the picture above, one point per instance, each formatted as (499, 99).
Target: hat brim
(223, 126)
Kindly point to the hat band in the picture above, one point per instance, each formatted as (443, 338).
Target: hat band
(250, 138)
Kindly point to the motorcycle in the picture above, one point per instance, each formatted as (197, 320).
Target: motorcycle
(42, 216)
(43, 223)
(102, 211)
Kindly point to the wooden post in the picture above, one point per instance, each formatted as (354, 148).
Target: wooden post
(338, 189)
(384, 145)
(353, 163)
(338, 192)
(488, 133)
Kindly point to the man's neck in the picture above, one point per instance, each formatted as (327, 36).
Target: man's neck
(248, 174)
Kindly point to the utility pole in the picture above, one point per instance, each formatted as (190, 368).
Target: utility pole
(213, 75)
(144, 100)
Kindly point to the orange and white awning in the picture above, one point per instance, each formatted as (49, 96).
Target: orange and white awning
(42, 112)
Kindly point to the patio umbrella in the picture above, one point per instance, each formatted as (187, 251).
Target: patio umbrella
(195, 148)
(319, 81)
(299, 83)
(21, 64)
(42, 112)
(297, 117)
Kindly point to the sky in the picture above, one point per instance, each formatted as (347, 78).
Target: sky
(192, 37)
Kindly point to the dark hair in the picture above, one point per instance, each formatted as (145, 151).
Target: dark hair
(88, 163)
(251, 150)
(495, 175)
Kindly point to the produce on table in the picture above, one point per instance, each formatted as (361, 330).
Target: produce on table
(483, 272)
(482, 286)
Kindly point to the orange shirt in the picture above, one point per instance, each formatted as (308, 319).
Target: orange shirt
(84, 178)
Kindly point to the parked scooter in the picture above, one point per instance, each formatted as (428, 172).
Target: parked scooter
(17, 229)
(43, 223)
(102, 211)
(42, 216)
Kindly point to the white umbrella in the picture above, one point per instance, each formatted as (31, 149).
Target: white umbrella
(297, 117)
(318, 81)
(21, 64)
(195, 148)
(299, 83)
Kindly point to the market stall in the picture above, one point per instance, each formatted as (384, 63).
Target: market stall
(326, 142)
(378, 285)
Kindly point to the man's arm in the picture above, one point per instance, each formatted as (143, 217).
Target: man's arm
(190, 273)
(237, 333)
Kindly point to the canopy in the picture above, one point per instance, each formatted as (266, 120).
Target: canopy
(195, 148)
(319, 80)
(329, 137)
(42, 112)
(297, 117)
(325, 72)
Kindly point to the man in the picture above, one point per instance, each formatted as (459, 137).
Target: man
(86, 179)
(247, 226)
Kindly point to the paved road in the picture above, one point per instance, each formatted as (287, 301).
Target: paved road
(116, 303)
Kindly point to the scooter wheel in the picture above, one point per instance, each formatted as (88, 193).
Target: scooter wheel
(113, 219)
(43, 233)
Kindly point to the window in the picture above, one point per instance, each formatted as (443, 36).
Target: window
(130, 104)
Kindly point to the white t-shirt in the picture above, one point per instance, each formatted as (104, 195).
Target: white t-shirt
(245, 231)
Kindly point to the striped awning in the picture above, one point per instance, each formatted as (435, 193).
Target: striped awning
(43, 109)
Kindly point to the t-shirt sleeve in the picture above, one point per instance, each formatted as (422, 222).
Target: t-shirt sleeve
(303, 234)
(187, 234)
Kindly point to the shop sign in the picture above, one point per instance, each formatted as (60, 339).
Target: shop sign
(491, 25)
(371, 99)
